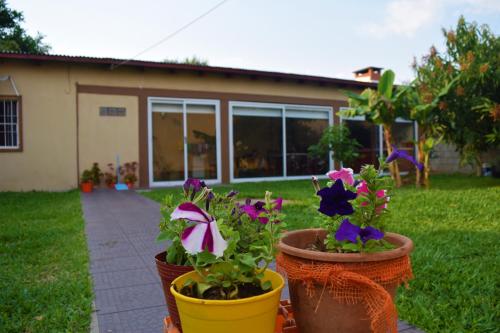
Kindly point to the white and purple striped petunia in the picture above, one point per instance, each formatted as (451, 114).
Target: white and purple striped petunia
(204, 234)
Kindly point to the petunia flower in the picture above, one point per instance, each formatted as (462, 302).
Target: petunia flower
(256, 210)
(362, 191)
(335, 199)
(396, 154)
(203, 235)
(350, 232)
(346, 174)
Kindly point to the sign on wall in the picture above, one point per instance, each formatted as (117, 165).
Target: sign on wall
(105, 111)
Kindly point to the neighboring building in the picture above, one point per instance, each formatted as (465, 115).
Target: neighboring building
(59, 114)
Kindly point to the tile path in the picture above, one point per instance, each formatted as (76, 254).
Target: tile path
(121, 228)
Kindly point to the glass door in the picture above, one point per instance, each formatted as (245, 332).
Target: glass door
(184, 141)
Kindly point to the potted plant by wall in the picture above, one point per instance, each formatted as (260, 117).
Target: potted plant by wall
(130, 173)
(110, 176)
(96, 174)
(86, 181)
(230, 247)
(343, 277)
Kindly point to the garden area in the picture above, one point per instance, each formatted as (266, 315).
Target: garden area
(455, 227)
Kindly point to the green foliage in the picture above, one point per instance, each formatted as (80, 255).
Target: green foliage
(194, 60)
(87, 176)
(337, 140)
(96, 173)
(44, 276)
(467, 113)
(251, 248)
(13, 37)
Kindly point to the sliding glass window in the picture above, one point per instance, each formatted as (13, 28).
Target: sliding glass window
(272, 140)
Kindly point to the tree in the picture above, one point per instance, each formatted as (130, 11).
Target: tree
(337, 140)
(194, 60)
(381, 107)
(13, 37)
(468, 114)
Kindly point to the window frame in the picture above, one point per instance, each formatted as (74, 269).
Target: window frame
(283, 107)
(19, 146)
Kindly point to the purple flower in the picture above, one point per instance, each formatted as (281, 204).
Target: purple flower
(335, 200)
(232, 194)
(256, 210)
(350, 232)
(396, 154)
(204, 234)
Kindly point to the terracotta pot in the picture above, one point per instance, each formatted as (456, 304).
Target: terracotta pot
(169, 273)
(86, 187)
(130, 186)
(111, 185)
(323, 313)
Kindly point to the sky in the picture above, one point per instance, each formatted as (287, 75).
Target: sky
(319, 37)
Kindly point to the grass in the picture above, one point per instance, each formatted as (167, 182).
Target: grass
(456, 230)
(44, 280)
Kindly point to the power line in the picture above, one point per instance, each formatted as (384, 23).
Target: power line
(171, 35)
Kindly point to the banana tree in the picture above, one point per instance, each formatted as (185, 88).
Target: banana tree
(380, 107)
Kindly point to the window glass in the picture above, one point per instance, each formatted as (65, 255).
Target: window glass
(300, 134)
(8, 124)
(201, 139)
(257, 146)
(367, 135)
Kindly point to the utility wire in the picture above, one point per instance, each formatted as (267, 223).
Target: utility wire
(171, 35)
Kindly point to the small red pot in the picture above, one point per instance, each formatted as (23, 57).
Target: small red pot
(130, 186)
(86, 187)
(111, 185)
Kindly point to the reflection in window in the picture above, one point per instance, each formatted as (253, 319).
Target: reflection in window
(300, 134)
(201, 139)
(258, 149)
(367, 135)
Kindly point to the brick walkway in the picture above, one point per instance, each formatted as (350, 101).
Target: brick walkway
(121, 229)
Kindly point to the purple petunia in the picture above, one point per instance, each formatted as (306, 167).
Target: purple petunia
(350, 232)
(335, 200)
(396, 154)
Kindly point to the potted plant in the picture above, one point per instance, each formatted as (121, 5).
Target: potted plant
(343, 277)
(230, 247)
(96, 174)
(86, 181)
(110, 176)
(129, 171)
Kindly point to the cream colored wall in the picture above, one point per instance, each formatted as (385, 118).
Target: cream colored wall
(104, 137)
(49, 157)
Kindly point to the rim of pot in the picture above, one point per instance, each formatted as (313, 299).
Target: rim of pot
(404, 247)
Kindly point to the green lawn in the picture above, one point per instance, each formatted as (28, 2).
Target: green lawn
(456, 230)
(44, 277)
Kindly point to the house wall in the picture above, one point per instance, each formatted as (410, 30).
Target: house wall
(52, 157)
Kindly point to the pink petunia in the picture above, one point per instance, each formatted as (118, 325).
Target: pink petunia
(345, 174)
(362, 190)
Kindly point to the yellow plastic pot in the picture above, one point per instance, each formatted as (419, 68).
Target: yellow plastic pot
(248, 315)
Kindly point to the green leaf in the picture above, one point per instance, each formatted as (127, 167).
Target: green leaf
(386, 83)
(266, 285)
(202, 287)
(163, 236)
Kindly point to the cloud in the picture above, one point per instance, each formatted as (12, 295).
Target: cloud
(481, 6)
(404, 17)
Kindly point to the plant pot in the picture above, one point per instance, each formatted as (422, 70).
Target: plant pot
(110, 185)
(247, 315)
(86, 187)
(343, 292)
(130, 186)
(169, 273)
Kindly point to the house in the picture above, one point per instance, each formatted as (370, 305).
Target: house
(59, 114)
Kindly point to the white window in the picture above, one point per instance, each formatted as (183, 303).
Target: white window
(9, 123)
(270, 141)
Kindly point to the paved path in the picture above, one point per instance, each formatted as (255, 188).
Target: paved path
(121, 229)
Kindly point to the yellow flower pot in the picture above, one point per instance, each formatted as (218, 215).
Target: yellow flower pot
(248, 315)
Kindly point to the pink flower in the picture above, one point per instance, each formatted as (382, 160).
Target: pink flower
(362, 190)
(345, 174)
